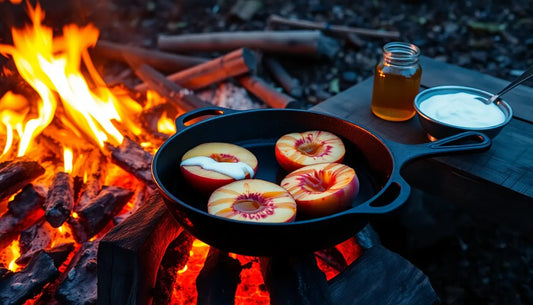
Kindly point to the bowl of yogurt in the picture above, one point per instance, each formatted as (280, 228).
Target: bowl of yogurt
(447, 110)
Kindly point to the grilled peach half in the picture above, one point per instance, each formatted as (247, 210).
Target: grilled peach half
(209, 166)
(252, 200)
(322, 189)
(295, 150)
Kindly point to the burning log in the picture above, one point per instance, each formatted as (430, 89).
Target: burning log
(129, 255)
(20, 286)
(162, 61)
(267, 93)
(60, 199)
(175, 259)
(295, 280)
(93, 218)
(290, 85)
(382, 277)
(334, 29)
(285, 42)
(218, 279)
(131, 157)
(79, 286)
(332, 257)
(237, 62)
(34, 239)
(23, 211)
(181, 98)
(4, 272)
(91, 188)
(139, 198)
(14, 175)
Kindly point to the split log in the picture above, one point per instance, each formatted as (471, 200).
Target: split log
(162, 61)
(22, 212)
(34, 239)
(175, 259)
(312, 43)
(288, 83)
(218, 280)
(16, 174)
(382, 277)
(93, 218)
(91, 188)
(333, 29)
(80, 286)
(237, 62)
(295, 280)
(60, 199)
(20, 286)
(181, 98)
(131, 157)
(129, 255)
(267, 93)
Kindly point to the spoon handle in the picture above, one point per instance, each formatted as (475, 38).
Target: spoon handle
(522, 78)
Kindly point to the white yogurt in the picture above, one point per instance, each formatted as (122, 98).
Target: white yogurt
(463, 110)
(236, 170)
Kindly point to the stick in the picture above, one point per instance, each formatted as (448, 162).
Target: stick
(267, 93)
(16, 174)
(162, 61)
(60, 199)
(232, 64)
(285, 42)
(336, 29)
(290, 85)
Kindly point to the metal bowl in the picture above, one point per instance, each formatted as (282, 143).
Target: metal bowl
(437, 129)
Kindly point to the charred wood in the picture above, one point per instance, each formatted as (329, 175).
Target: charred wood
(23, 211)
(4, 272)
(295, 280)
(304, 42)
(333, 258)
(288, 83)
(16, 174)
(150, 118)
(267, 93)
(20, 286)
(32, 240)
(80, 284)
(162, 61)
(90, 189)
(129, 255)
(175, 259)
(139, 198)
(238, 62)
(131, 157)
(60, 199)
(333, 29)
(382, 277)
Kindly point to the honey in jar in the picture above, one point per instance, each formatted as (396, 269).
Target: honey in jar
(396, 82)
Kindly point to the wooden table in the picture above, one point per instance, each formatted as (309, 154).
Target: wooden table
(497, 184)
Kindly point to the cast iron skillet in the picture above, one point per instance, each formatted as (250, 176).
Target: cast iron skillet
(377, 163)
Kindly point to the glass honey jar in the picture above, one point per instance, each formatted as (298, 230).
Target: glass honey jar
(396, 82)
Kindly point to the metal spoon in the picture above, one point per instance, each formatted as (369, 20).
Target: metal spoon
(522, 78)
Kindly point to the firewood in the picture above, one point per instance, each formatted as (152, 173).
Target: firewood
(182, 99)
(34, 239)
(101, 210)
(162, 61)
(150, 119)
(312, 43)
(382, 277)
(20, 286)
(60, 253)
(16, 174)
(332, 257)
(131, 157)
(288, 83)
(139, 198)
(218, 280)
(80, 286)
(295, 280)
(130, 254)
(60, 199)
(175, 259)
(238, 62)
(4, 271)
(97, 170)
(23, 211)
(267, 93)
(334, 29)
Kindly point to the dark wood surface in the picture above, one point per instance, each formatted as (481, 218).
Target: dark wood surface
(497, 183)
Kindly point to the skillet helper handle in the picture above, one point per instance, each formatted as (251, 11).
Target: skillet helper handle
(388, 199)
(182, 120)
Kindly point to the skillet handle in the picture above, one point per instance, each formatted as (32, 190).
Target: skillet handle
(388, 199)
(196, 113)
